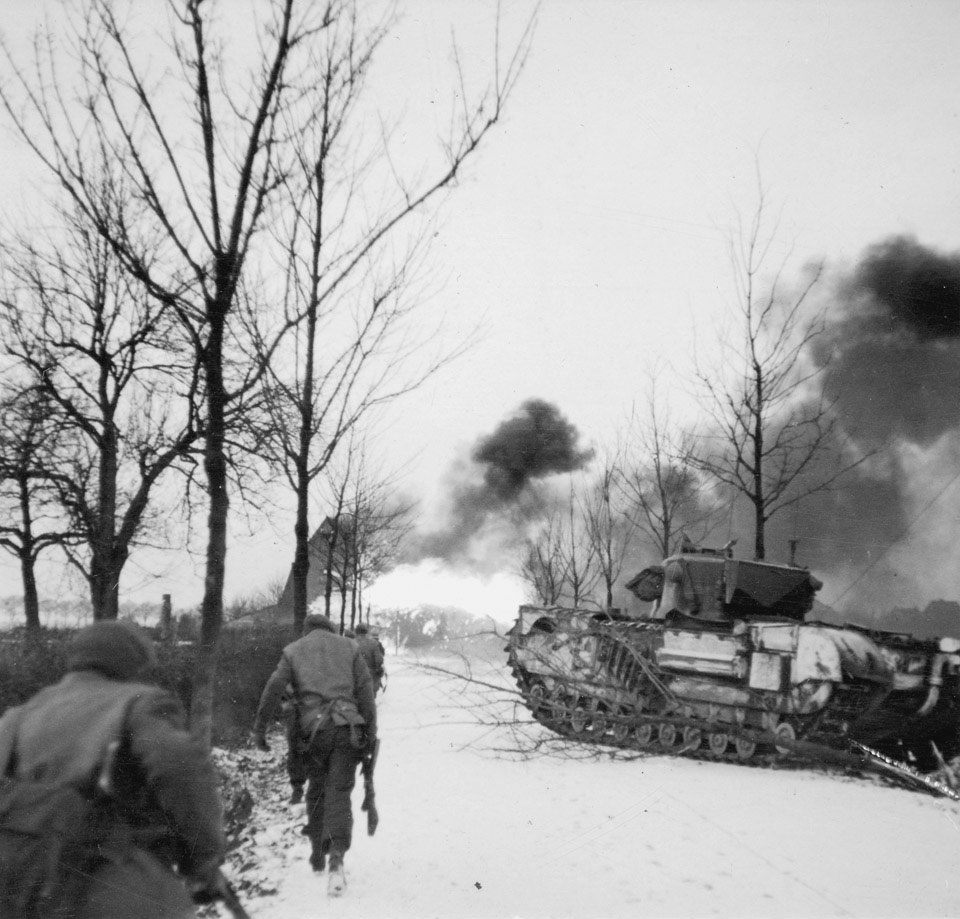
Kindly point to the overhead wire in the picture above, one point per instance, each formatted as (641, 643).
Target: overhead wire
(905, 532)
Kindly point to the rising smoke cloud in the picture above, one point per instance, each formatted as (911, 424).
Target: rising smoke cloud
(892, 355)
(891, 366)
(503, 487)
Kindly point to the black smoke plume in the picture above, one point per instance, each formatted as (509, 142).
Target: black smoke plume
(891, 354)
(534, 443)
(891, 367)
(916, 288)
(503, 487)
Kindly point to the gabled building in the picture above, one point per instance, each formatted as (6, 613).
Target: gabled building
(318, 553)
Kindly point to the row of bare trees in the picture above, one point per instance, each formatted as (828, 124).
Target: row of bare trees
(767, 436)
(363, 534)
(221, 279)
(631, 503)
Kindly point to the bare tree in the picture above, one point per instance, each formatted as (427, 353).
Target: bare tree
(101, 353)
(661, 484)
(253, 601)
(201, 140)
(773, 421)
(560, 561)
(369, 525)
(351, 262)
(382, 520)
(542, 566)
(609, 528)
(578, 553)
(337, 563)
(31, 483)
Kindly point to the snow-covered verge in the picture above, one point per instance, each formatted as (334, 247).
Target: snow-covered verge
(469, 828)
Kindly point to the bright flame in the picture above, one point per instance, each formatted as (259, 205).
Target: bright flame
(433, 583)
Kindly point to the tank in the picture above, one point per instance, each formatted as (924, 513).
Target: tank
(725, 663)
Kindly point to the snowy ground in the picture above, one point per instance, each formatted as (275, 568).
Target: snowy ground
(467, 831)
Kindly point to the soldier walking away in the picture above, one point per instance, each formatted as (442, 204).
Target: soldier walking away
(153, 794)
(372, 652)
(338, 725)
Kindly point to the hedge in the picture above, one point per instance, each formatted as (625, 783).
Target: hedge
(247, 658)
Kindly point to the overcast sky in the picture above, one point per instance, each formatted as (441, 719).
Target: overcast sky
(589, 237)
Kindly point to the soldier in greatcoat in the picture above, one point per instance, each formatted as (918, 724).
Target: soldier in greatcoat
(372, 652)
(102, 727)
(338, 724)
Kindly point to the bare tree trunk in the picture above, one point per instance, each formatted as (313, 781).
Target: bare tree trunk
(31, 601)
(104, 579)
(331, 559)
(105, 570)
(343, 606)
(301, 557)
(759, 495)
(215, 466)
(354, 574)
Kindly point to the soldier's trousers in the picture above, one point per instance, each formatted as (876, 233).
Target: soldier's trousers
(331, 762)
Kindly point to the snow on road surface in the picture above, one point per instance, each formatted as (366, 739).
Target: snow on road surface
(468, 830)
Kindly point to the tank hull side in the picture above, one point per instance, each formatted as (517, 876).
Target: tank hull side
(820, 682)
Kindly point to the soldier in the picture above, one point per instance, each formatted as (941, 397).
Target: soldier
(162, 822)
(372, 652)
(338, 724)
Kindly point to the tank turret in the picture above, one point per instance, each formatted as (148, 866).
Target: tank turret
(710, 585)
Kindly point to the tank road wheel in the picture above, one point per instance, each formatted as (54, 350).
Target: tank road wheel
(717, 742)
(692, 739)
(643, 734)
(667, 735)
(537, 701)
(745, 747)
(620, 727)
(599, 722)
(580, 718)
(785, 732)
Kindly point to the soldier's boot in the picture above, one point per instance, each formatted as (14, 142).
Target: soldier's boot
(318, 861)
(337, 880)
(296, 795)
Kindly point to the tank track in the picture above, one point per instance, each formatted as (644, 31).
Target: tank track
(678, 736)
(626, 702)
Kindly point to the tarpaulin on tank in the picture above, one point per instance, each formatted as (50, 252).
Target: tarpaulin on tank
(860, 657)
(838, 655)
(648, 585)
(771, 589)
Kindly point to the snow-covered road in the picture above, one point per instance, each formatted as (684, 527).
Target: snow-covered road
(469, 832)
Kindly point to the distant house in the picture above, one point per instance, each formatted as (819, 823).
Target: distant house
(318, 554)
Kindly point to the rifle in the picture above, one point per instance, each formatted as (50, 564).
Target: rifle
(231, 901)
(225, 889)
(369, 796)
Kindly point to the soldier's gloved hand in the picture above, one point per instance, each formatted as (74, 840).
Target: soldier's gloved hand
(260, 741)
(206, 886)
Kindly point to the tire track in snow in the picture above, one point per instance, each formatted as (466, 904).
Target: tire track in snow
(628, 815)
(783, 872)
